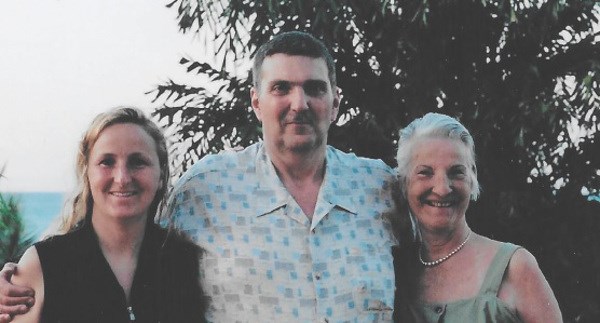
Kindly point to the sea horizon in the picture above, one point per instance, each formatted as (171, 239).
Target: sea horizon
(38, 209)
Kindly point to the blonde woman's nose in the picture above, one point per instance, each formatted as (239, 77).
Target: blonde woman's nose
(122, 174)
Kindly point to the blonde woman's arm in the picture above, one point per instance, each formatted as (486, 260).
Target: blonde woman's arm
(29, 274)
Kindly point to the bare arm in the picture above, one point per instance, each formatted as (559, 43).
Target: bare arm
(30, 275)
(529, 290)
(14, 299)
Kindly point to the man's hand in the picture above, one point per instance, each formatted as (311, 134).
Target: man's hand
(13, 299)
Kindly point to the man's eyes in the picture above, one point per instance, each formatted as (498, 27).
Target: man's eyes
(315, 88)
(311, 88)
(281, 88)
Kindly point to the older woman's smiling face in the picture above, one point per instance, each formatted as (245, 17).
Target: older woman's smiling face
(438, 183)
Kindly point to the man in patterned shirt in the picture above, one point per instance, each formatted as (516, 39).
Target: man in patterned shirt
(293, 230)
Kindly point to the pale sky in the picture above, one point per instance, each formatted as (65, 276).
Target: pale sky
(64, 61)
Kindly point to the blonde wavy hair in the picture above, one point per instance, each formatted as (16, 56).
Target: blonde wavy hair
(79, 208)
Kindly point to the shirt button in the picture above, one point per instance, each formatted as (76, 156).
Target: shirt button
(439, 309)
(325, 320)
(312, 231)
(317, 276)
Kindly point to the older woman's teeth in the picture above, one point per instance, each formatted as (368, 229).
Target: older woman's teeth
(439, 204)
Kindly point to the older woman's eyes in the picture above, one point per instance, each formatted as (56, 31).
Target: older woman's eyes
(458, 173)
(424, 173)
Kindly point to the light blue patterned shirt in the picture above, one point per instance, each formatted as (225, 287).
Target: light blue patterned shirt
(265, 261)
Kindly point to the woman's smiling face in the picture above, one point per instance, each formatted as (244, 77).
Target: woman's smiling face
(438, 183)
(123, 172)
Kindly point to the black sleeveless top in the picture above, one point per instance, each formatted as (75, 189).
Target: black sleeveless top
(79, 285)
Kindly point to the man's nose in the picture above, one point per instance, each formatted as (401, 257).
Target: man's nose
(299, 99)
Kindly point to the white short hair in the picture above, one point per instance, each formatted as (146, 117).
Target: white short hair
(434, 125)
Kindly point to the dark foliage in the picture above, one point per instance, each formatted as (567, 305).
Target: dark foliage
(518, 74)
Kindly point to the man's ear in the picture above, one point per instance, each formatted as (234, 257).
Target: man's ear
(254, 102)
(337, 98)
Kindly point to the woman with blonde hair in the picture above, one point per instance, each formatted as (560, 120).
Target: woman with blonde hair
(113, 263)
(455, 274)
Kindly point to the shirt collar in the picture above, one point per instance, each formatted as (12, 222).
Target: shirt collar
(271, 190)
(337, 184)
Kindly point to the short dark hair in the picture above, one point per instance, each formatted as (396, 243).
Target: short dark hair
(293, 43)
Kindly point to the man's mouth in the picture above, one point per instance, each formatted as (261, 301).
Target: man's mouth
(302, 119)
(299, 121)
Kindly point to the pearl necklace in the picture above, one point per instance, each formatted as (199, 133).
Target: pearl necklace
(439, 261)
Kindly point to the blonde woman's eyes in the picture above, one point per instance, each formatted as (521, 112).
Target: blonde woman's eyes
(134, 162)
(108, 162)
(138, 162)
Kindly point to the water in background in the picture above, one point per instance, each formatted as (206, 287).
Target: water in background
(38, 209)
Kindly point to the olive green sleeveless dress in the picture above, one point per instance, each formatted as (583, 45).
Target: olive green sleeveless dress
(486, 307)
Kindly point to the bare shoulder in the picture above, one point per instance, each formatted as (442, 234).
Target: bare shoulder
(29, 270)
(523, 263)
(527, 289)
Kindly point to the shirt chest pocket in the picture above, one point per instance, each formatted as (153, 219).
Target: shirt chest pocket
(372, 277)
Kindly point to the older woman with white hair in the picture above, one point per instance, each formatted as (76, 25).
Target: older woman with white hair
(457, 275)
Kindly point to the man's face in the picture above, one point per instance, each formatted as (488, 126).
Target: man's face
(295, 103)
